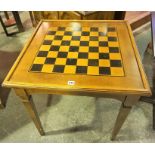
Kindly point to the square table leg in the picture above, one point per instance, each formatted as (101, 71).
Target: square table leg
(123, 113)
(29, 105)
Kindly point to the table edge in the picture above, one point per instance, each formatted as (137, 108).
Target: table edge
(145, 92)
(138, 59)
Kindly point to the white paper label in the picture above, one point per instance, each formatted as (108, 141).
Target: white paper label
(71, 83)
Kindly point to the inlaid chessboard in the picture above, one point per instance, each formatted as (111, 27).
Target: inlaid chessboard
(80, 50)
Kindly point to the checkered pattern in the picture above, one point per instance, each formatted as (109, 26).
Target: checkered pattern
(80, 50)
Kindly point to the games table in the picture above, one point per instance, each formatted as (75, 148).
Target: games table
(87, 58)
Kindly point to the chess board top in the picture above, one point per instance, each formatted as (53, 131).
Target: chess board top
(105, 59)
(80, 50)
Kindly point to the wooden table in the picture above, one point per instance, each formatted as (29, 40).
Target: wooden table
(87, 58)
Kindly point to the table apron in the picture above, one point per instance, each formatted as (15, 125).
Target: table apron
(119, 96)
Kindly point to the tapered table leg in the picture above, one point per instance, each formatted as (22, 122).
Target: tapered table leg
(123, 113)
(28, 102)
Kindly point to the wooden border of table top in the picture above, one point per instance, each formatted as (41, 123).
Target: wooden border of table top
(137, 55)
(20, 85)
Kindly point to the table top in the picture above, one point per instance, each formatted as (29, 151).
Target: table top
(99, 56)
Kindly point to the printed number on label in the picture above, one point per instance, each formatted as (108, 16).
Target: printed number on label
(71, 83)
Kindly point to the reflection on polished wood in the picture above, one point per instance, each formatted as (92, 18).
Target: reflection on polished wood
(126, 88)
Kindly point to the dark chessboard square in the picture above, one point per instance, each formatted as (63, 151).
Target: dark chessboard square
(74, 48)
(93, 38)
(85, 33)
(51, 32)
(94, 29)
(65, 43)
(102, 33)
(103, 55)
(81, 69)
(71, 62)
(115, 63)
(112, 39)
(83, 55)
(68, 33)
(36, 67)
(54, 48)
(93, 49)
(75, 37)
(58, 37)
(62, 54)
(47, 42)
(50, 60)
(42, 54)
(103, 43)
(93, 62)
(61, 28)
(104, 70)
(58, 68)
(84, 43)
(111, 29)
(113, 49)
